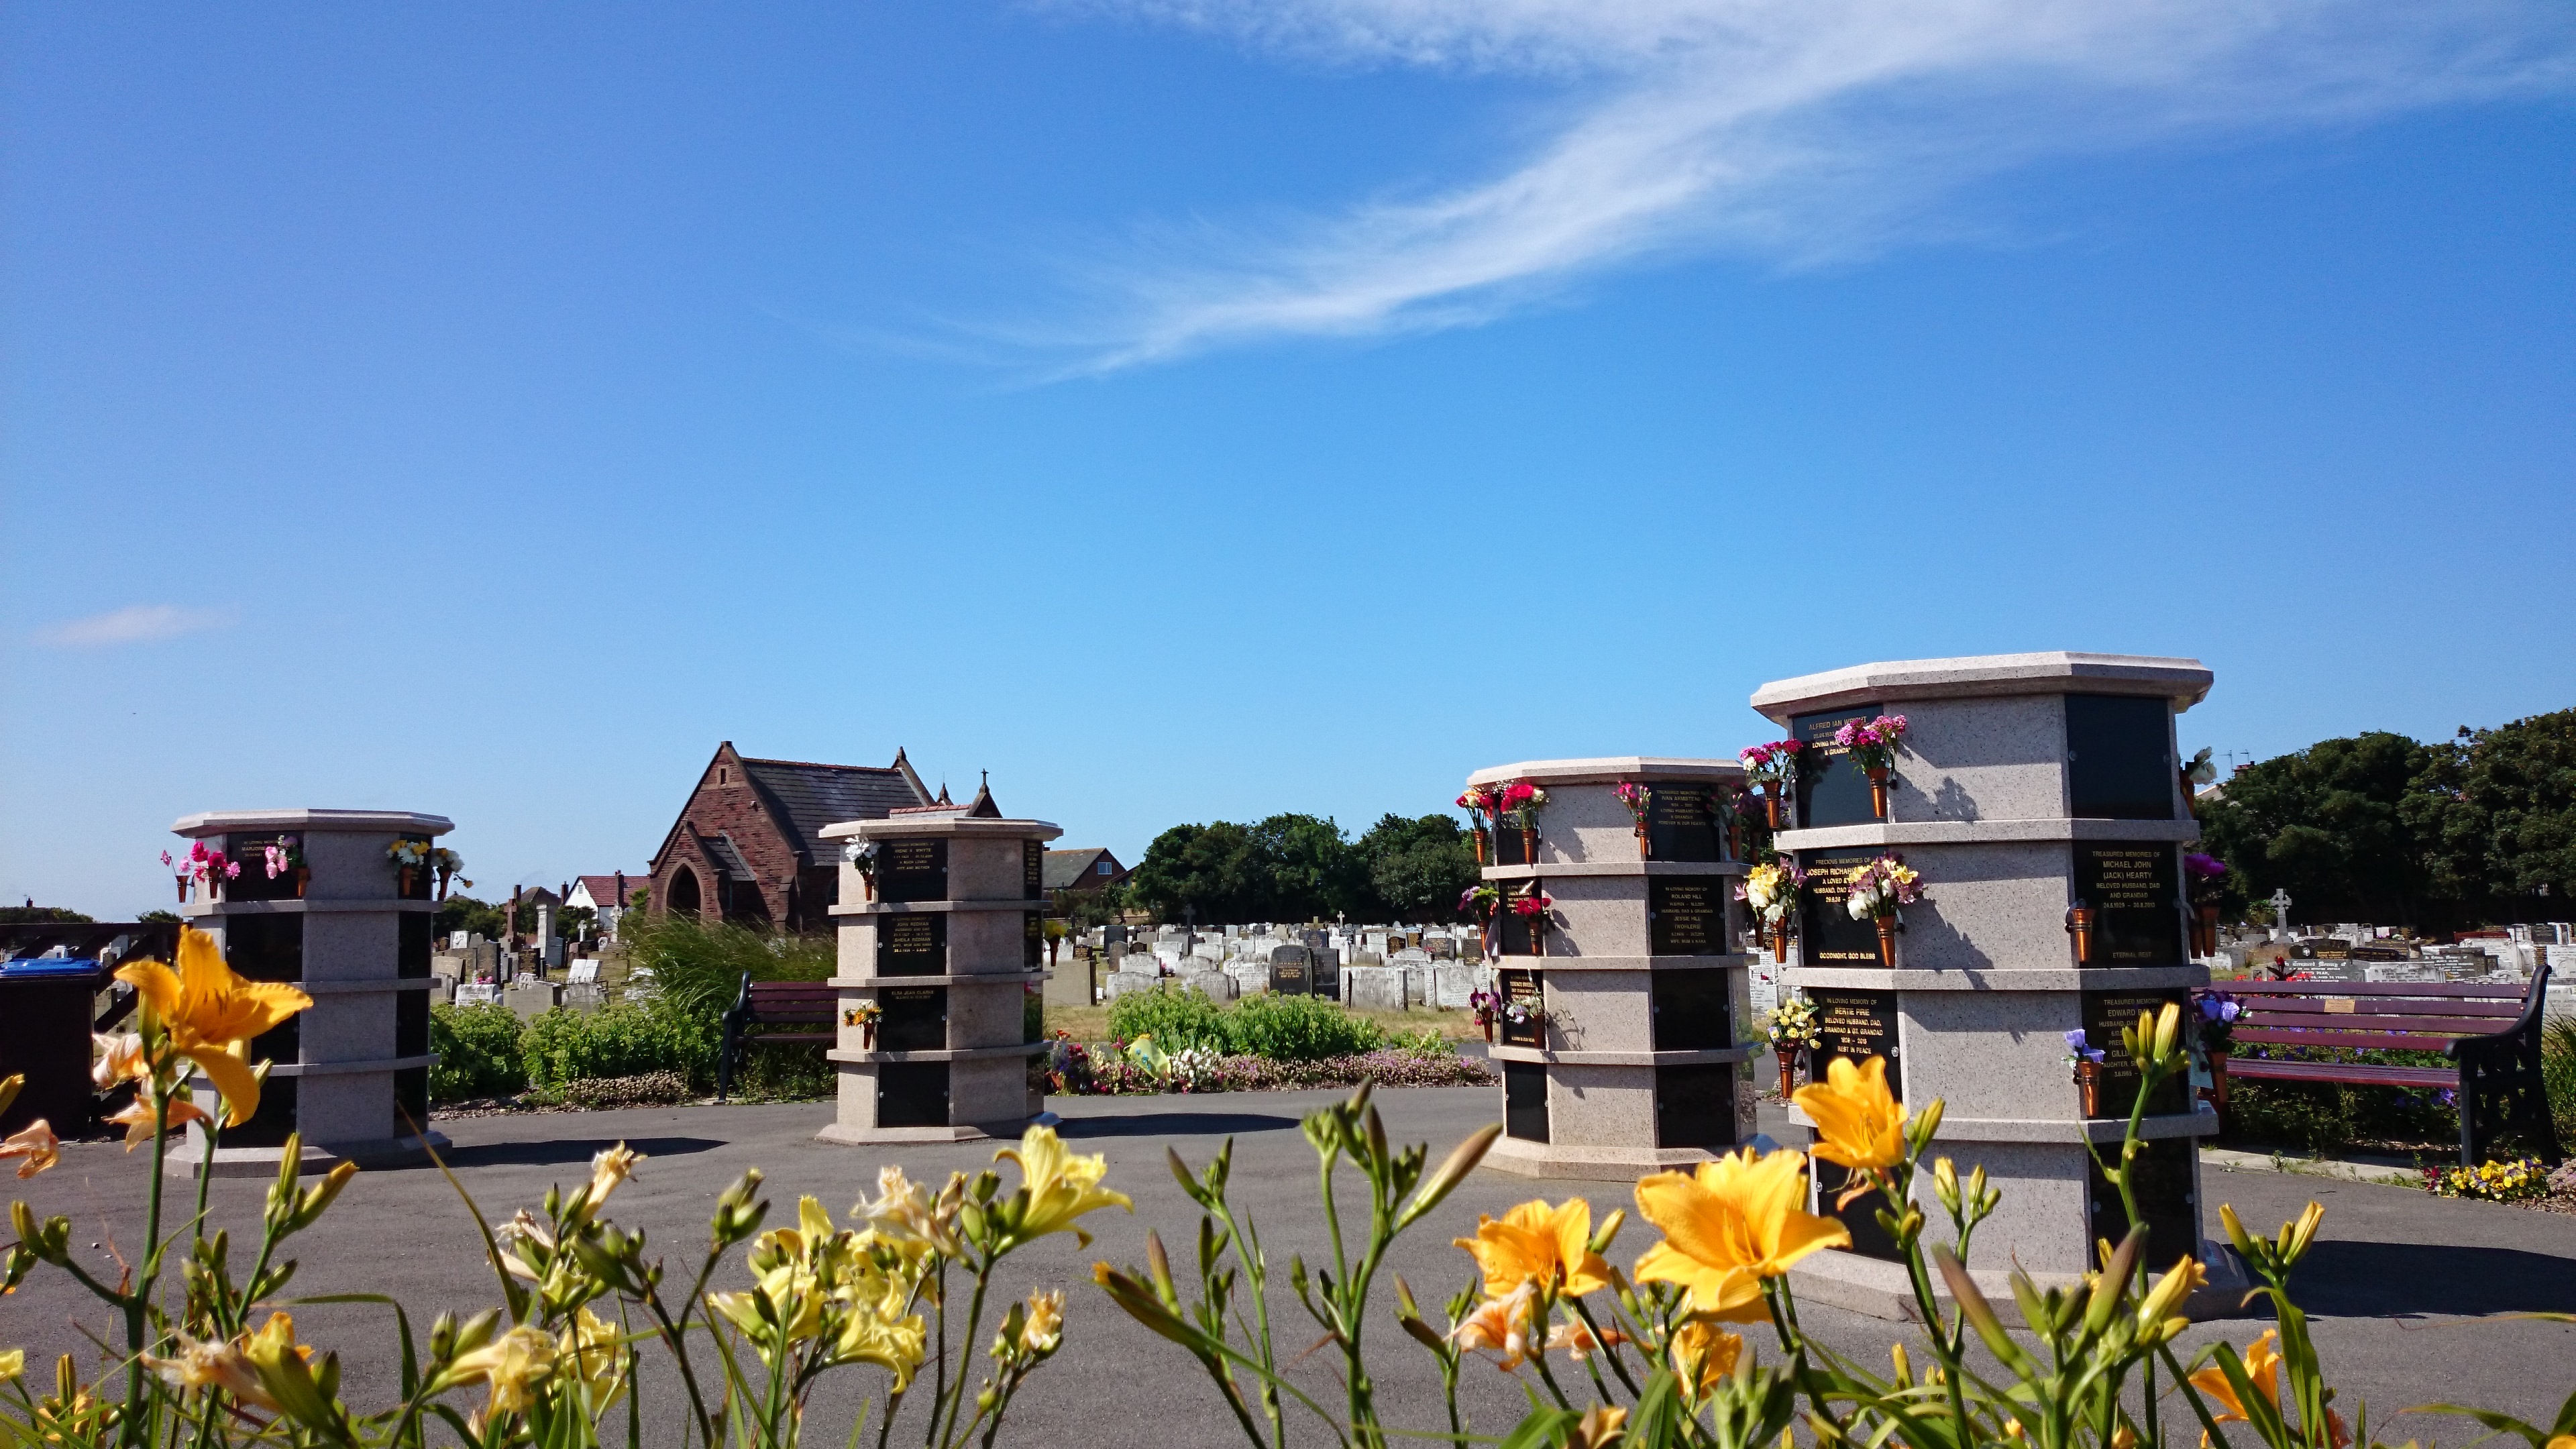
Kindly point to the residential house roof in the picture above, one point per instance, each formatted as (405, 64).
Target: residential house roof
(1071, 870)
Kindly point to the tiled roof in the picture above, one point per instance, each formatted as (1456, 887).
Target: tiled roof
(1068, 870)
(603, 888)
(813, 796)
(727, 858)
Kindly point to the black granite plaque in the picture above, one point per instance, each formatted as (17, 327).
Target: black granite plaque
(1686, 916)
(411, 1098)
(1324, 966)
(1858, 1025)
(1032, 941)
(1523, 989)
(1507, 845)
(1525, 1101)
(1831, 789)
(269, 948)
(414, 934)
(912, 1094)
(1683, 824)
(2161, 1177)
(913, 870)
(1694, 1011)
(1288, 973)
(1827, 934)
(250, 852)
(2105, 1013)
(916, 1019)
(912, 945)
(2136, 895)
(1520, 935)
(2119, 757)
(1695, 1105)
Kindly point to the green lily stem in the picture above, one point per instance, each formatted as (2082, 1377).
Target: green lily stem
(141, 1294)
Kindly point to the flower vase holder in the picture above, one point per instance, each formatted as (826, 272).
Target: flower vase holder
(1645, 848)
(1788, 1073)
(1780, 944)
(1878, 791)
(2207, 919)
(304, 877)
(1529, 845)
(1887, 942)
(402, 878)
(2088, 1081)
(2079, 929)
(1773, 807)
(1476, 833)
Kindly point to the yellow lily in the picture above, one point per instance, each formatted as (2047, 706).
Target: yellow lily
(1577, 1340)
(514, 1364)
(1729, 1225)
(1537, 1243)
(607, 1170)
(1599, 1427)
(882, 1334)
(36, 1143)
(1059, 1187)
(1502, 1325)
(1859, 1122)
(1702, 1355)
(212, 1014)
(136, 1116)
(12, 1364)
(906, 1213)
(1045, 1326)
(200, 1365)
(594, 1349)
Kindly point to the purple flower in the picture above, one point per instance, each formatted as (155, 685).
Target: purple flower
(2207, 867)
(2075, 1040)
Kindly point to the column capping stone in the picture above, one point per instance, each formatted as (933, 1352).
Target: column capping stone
(1616, 963)
(2059, 979)
(971, 978)
(947, 1054)
(2184, 681)
(905, 908)
(1615, 868)
(2200, 1122)
(350, 986)
(384, 905)
(915, 827)
(1608, 769)
(2044, 830)
(1553, 1057)
(334, 1069)
(224, 822)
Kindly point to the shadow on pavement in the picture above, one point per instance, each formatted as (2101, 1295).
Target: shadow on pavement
(2379, 1279)
(1174, 1124)
(558, 1150)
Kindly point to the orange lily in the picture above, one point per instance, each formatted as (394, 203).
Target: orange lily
(1859, 1122)
(1537, 1243)
(2263, 1370)
(36, 1143)
(212, 1015)
(1729, 1225)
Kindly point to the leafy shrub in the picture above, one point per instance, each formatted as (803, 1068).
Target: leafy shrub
(699, 965)
(2525, 1179)
(620, 1040)
(1297, 1029)
(1174, 1019)
(1032, 1015)
(478, 1052)
(2335, 1116)
(2558, 1071)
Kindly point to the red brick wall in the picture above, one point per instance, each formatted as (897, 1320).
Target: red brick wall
(725, 803)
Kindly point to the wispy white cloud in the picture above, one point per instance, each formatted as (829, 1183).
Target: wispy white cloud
(133, 624)
(1800, 131)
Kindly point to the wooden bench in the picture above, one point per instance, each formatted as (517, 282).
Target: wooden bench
(761, 1014)
(2490, 1029)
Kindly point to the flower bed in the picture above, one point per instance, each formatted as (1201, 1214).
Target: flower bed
(1112, 1069)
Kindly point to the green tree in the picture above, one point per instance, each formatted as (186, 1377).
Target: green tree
(1206, 870)
(1417, 867)
(32, 914)
(1310, 868)
(464, 913)
(2497, 811)
(2335, 825)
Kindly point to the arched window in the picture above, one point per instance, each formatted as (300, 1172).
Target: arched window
(682, 898)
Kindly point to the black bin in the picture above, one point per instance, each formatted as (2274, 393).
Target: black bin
(45, 1019)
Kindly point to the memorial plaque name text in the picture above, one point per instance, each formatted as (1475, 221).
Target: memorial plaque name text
(913, 870)
(2134, 891)
(1033, 870)
(912, 945)
(1827, 934)
(2105, 1013)
(916, 1019)
(1857, 1025)
(1682, 824)
(1520, 989)
(1686, 915)
(1831, 789)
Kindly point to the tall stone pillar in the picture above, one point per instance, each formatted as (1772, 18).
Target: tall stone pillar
(351, 928)
(1633, 1064)
(2026, 783)
(944, 936)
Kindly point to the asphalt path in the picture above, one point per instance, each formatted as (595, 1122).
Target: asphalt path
(2414, 1297)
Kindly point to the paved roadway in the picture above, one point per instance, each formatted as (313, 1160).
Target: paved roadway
(2413, 1294)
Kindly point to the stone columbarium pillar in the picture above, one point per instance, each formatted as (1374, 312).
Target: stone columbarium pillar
(350, 926)
(1632, 1064)
(941, 933)
(2025, 784)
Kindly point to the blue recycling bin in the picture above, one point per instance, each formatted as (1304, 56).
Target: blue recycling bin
(45, 1015)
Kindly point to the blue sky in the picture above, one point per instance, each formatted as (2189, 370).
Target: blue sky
(1196, 410)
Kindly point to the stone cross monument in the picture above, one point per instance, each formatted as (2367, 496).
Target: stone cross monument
(2280, 903)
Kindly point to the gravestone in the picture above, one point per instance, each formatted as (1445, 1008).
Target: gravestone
(1217, 985)
(2025, 783)
(1453, 982)
(1290, 972)
(1375, 988)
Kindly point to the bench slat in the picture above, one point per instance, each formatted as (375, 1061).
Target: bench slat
(2453, 990)
(2362, 1076)
(2326, 1021)
(2384, 1006)
(2355, 1040)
